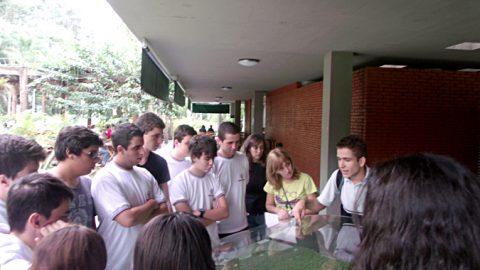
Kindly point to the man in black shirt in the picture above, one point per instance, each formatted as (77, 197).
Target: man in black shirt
(152, 127)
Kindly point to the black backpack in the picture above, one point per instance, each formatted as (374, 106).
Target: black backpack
(339, 182)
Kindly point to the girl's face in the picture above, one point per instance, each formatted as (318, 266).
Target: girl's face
(286, 171)
(256, 151)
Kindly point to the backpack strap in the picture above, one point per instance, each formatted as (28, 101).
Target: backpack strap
(339, 180)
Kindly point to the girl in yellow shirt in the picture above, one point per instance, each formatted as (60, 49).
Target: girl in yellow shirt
(287, 188)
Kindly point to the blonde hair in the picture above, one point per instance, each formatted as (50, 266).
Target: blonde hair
(275, 160)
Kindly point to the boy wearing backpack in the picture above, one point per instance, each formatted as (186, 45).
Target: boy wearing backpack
(349, 180)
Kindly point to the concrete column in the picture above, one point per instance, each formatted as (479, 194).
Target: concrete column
(238, 114)
(257, 112)
(336, 110)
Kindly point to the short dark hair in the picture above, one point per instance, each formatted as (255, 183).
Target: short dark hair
(35, 193)
(75, 139)
(17, 152)
(354, 143)
(123, 134)
(74, 247)
(202, 144)
(255, 140)
(227, 128)
(421, 212)
(148, 121)
(182, 131)
(183, 236)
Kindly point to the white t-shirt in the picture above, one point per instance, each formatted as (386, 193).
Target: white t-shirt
(233, 176)
(199, 193)
(4, 227)
(175, 166)
(114, 190)
(14, 253)
(352, 197)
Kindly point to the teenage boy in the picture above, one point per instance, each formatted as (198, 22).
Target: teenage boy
(197, 191)
(177, 158)
(152, 127)
(35, 203)
(76, 150)
(18, 157)
(125, 196)
(231, 169)
(349, 181)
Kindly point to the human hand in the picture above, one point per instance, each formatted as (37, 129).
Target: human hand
(50, 228)
(283, 214)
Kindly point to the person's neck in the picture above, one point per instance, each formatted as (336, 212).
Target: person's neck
(120, 163)
(197, 173)
(66, 173)
(360, 176)
(27, 237)
(220, 153)
(176, 155)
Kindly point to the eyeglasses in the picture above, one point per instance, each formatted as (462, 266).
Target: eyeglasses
(91, 154)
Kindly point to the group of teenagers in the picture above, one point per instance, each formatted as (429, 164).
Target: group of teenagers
(168, 211)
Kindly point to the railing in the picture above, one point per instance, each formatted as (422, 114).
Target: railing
(9, 62)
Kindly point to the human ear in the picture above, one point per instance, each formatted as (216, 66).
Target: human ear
(362, 161)
(35, 220)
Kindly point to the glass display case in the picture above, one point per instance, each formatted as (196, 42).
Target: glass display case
(318, 242)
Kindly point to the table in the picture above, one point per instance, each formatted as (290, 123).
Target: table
(319, 242)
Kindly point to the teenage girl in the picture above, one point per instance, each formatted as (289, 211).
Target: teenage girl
(254, 149)
(287, 188)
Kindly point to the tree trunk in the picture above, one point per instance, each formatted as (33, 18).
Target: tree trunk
(14, 100)
(44, 101)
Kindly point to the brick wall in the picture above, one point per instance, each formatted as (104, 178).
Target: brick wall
(410, 110)
(294, 118)
(397, 111)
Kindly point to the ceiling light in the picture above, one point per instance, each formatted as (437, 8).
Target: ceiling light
(248, 62)
(393, 66)
(470, 70)
(465, 46)
(226, 88)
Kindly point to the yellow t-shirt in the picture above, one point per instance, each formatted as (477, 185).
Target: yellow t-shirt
(294, 190)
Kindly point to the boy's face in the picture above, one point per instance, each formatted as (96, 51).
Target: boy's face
(203, 164)
(85, 162)
(348, 163)
(153, 139)
(6, 182)
(134, 152)
(229, 146)
(182, 147)
(59, 213)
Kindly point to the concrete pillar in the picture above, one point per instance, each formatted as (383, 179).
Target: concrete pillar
(258, 112)
(238, 114)
(336, 110)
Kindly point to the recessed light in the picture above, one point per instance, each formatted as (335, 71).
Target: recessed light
(226, 88)
(393, 66)
(470, 70)
(248, 62)
(465, 46)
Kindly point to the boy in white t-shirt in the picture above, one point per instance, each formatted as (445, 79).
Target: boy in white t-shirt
(37, 204)
(125, 196)
(232, 170)
(197, 191)
(177, 158)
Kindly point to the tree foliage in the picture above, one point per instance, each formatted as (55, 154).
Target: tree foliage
(80, 73)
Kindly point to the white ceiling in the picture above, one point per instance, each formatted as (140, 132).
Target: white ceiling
(200, 41)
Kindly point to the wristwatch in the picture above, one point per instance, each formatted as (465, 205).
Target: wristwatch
(202, 212)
